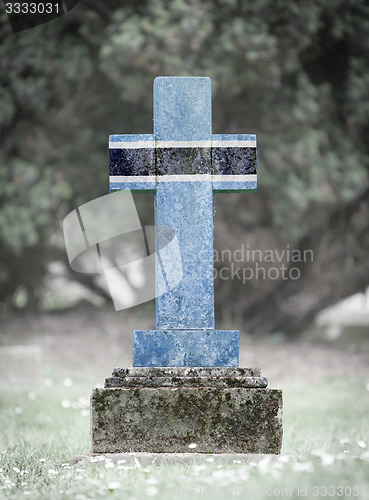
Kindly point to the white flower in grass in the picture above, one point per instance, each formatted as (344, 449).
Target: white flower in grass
(275, 473)
(114, 485)
(32, 396)
(122, 461)
(225, 474)
(192, 446)
(26, 492)
(109, 465)
(327, 460)
(318, 453)
(210, 459)
(367, 386)
(344, 440)
(94, 459)
(219, 474)
(152, 480)
(65, 403)
(84, 402)
(8, 483)
(67, 382)
(264, 464)
(152, 491)
(199, 467)
(303, 467)
(277, 465)
(85, 413)
(243, 474)
(15, 469)
(18, 410)
(341, 456)
(52, 472)
(361, 444)
(42, 460)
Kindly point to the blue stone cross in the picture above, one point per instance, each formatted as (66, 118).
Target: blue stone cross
(183, 163)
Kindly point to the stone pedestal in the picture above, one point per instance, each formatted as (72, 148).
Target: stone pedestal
(221, 410)
(186, 348)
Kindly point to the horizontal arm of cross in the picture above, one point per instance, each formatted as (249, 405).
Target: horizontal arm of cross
(139, 162)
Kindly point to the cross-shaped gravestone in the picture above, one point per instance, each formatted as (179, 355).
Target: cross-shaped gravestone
(183, 163)
(216, 406)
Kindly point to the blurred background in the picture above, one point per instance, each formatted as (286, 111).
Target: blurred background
(294, 73)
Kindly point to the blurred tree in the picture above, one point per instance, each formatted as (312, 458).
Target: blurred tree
(296, 74)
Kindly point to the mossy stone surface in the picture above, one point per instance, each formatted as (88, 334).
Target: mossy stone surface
(186, 377)
(168, 420)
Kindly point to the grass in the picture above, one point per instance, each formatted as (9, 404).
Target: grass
(325, 451)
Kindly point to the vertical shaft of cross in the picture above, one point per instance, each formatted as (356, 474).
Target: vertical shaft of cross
(182, 130)
(187, 208)
(189, 164)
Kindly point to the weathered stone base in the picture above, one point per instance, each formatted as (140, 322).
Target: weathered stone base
(222, 415)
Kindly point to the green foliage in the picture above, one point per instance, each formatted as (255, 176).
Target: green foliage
(295, 73)
(260, 58)
(31, 198)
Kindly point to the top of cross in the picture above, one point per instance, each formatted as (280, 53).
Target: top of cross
(182, 109)
(183, 144)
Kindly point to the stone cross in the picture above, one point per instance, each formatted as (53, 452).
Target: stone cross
(185, 391)
(183, 163)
